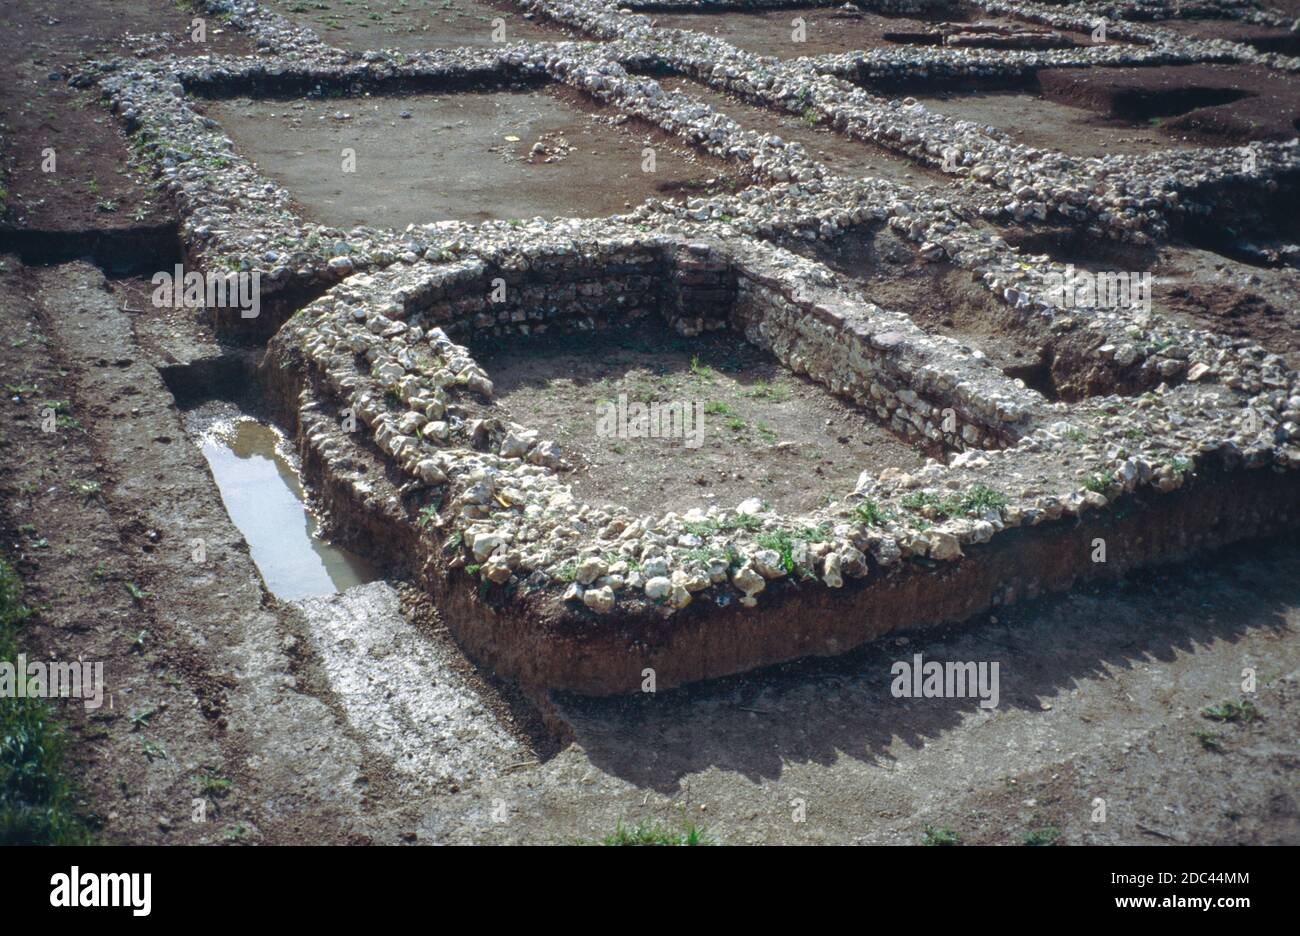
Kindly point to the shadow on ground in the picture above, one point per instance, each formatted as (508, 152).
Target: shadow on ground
(819, 711)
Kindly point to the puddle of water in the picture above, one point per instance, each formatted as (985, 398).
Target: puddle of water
(264, 497)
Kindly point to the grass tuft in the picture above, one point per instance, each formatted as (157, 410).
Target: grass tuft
(1243, 712)
(654, 833)
(943, 836)
(1043, 837)
(37, 798)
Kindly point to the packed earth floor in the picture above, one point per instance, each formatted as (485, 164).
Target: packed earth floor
(481, 421)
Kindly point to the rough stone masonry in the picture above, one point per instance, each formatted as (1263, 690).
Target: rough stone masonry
(1183, 438)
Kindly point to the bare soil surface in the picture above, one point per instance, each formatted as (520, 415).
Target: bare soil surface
(1208, 104)
(1101, 696)
(765, 433)
(466, 156)
(838, 152)
(88, 184)
(1033, 120)
(826, 31)
(418, 25)
(1262, 38)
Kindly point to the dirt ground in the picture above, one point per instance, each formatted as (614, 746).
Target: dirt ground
(353, 718)
(1033, 120)
(839, 153)
(1212, 105)
(463, 156)
(764, 431)
(826, 32)
(417, 25)
(88, 184)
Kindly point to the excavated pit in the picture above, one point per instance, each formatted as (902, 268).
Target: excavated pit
(257, 472)
(755, 429)
(1251, 224)
(119, 251)
(1031, 119)
(1193, 284)
(945, 300)
(1210, 105)
(1261, 38)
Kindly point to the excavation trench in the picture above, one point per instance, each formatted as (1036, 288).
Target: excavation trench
(1192, 284)
(534, 640)
(258, 476)
(1259, 225)
(406, 695)
(945, 300)
(119, 251)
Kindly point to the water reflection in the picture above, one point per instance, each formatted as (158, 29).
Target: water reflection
(264, 497)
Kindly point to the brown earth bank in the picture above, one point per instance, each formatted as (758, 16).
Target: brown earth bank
(540, 643)
(88, 186)
(1213, 105)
